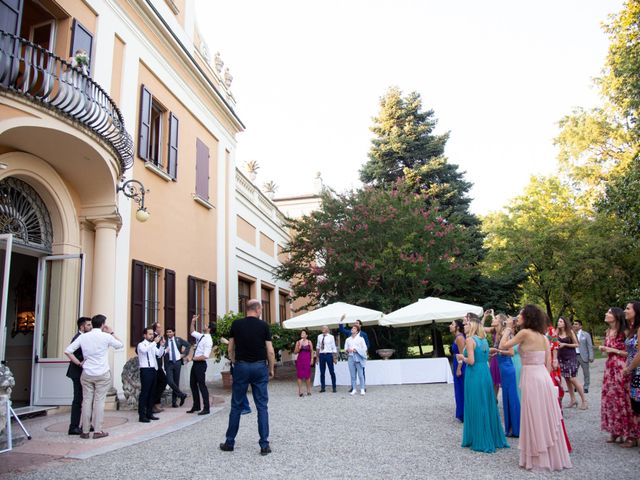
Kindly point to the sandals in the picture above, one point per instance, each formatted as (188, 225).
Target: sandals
(584, 406)
(572, 404)
(629, 444)
(100, 435)
(612, 439)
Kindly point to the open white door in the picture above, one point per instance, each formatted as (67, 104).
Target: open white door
(5, 267)
(59, 303)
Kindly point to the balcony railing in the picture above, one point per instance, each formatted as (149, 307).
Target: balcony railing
(29, 70)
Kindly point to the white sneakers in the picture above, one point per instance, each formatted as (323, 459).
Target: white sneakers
(361, 392)
(353, 392)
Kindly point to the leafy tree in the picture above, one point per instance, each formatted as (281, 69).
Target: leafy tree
(381, 249)
(574, 263)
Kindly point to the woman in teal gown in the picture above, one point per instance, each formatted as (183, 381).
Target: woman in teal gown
(482, 430)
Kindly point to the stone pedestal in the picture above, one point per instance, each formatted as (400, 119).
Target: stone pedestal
(7, 382)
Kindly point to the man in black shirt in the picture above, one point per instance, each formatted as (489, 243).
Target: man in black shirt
(252, 356)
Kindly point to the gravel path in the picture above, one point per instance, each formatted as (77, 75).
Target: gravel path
(404, 431)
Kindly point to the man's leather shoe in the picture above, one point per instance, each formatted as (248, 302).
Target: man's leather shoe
(174, 405)
(586, 390)
(152, 417)
(322, 390)
(144, 420)
(265, 451)
(193, 410)
(226, 448)
(333, 389)
(204, 412)
(183, 398)
(75, 431)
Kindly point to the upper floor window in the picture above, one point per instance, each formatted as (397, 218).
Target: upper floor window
(157, 127)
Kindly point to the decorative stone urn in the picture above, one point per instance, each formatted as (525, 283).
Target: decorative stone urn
(7, 382)
(385, 353)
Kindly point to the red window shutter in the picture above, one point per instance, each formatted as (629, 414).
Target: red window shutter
(172, 167)
(191, 303)
(170, 299)
(213, 302)
(202, 170)
(144, 128)
(137, 302)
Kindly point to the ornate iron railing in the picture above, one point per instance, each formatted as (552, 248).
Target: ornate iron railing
(34, 72)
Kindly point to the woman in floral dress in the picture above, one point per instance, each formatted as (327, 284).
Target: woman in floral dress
(615, 411)
(632, 370)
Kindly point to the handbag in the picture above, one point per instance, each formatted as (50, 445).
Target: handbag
(635, 379)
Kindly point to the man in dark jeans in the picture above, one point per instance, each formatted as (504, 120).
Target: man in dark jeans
(251, 353)
(74, 372)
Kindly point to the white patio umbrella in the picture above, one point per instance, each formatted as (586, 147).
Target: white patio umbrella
(429, 310)
(330, 316)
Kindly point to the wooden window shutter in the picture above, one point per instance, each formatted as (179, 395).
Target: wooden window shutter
(81, 39)
(170, 299)
(213, 302)
(137, 302)
(202, 170)
(191, 303)
(144, 128)
(11, 16)
(172, 166)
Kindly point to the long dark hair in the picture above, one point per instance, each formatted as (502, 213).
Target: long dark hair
(621, 321)
(633, 328)
(459, 325)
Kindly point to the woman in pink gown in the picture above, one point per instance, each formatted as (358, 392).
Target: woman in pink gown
(542, 443)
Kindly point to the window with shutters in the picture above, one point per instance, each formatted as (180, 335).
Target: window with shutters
(202, 171)
(198, 302)
(266, 304)
(158, 136)
(282, 306)
(244, 295)
(146, 284)
(151, 301)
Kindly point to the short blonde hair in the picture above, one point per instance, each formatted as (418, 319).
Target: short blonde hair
(476, 328)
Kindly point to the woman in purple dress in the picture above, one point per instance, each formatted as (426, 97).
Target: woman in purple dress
(457, 329)
(568, 360)
(304, 349)
(494, 368)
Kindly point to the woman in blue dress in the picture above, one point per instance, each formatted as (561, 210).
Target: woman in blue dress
(482, 430)
(510, 400)
(457, 329)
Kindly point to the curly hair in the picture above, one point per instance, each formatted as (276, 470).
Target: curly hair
(534, 319)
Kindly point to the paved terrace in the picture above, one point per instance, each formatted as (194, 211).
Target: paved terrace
(404, 431)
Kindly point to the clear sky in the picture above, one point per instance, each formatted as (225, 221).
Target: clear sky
(499, 75)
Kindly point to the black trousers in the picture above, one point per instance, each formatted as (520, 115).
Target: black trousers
(173, 379)
(147, 389)
(161, 384)
(76, 405)
(196, 381)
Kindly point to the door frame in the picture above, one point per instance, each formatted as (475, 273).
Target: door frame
(5, 293)
(56, 365)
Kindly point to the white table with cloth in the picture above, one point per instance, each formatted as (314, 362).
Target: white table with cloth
(394, 372)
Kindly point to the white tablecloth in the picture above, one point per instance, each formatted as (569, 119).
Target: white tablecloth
(394, 372)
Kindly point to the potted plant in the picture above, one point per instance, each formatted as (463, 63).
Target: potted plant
(252, 168)
(220, 344)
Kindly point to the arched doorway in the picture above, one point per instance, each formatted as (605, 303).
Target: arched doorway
(40, 292)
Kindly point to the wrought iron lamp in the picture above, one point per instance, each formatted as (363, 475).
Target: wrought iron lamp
(135, 190)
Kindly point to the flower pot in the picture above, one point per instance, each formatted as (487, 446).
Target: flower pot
(227, 379)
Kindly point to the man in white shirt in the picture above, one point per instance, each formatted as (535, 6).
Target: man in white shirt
(149, 350)
(202, 350)
(584, 351)
(327, 356)
(96, 375)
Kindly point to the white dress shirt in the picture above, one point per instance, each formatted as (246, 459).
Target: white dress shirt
(95, 347)
(170, 347)
(148, 354)
(579, 338)
(204, 344)
(357, 343)
(326, 343)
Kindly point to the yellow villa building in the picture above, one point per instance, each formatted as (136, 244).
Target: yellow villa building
(119, 191)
